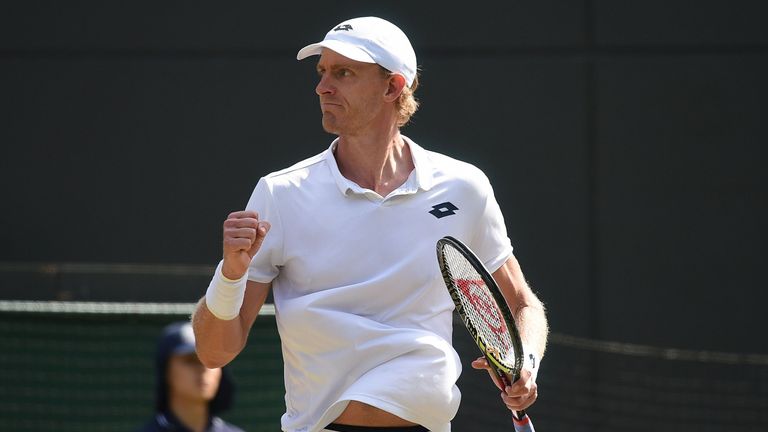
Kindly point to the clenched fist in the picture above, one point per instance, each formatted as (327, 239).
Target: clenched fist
(243, 235)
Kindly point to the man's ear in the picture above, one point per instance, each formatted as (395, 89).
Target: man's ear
(395, 87)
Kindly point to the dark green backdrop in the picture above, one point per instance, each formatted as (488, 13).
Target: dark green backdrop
(625, 140)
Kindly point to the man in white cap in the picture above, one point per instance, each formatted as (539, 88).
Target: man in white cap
(346, 241)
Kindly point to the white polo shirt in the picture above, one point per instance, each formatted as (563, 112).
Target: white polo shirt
(361, 307)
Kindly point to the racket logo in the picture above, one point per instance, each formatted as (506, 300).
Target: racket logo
(477, 294)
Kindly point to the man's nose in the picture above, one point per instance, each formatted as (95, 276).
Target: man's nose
(323, 86)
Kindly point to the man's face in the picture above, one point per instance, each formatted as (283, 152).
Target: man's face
(189, 379)
(351, 93)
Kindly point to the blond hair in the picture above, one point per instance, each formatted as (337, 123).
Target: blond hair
(406, 104)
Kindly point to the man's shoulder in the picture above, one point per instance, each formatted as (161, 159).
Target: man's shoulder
(455, 169)
(450, 164)
(442, 159)
(453, 173)
(299, 168)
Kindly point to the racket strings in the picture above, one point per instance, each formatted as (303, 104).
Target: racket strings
(480, 307)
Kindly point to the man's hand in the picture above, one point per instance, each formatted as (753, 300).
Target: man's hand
(518, 396)
(243, 235)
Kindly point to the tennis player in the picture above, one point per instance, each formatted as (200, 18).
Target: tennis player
(346, 242)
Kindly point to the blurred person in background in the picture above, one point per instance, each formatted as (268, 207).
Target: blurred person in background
(189, 396)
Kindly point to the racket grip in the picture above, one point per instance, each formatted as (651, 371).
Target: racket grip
(520, 418)
(523, 423)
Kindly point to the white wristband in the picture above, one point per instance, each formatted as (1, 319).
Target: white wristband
(225, 296)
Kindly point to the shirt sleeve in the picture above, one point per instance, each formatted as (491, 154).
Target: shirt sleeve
(266, 264)
(490, 241)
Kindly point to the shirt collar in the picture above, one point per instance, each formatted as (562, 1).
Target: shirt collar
(420, 178)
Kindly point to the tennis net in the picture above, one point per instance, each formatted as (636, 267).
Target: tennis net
(82, 366)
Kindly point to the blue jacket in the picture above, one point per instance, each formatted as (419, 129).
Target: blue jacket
(168, 422)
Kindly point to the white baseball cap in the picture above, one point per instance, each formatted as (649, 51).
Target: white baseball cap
(369, 40)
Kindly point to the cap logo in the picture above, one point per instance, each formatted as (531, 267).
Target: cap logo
(343, 27)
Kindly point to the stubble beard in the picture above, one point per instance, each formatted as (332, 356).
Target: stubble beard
(330, 124)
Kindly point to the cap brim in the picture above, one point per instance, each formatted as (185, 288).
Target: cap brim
(347, 50)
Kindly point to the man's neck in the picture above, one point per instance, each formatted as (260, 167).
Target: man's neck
(380, 162)
(193, 414)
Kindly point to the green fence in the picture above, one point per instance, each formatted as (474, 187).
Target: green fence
(95, 372)
(68, 366)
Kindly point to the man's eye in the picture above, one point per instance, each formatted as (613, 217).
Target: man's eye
(344, 72)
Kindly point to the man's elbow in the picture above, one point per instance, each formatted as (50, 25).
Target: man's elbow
(213, 360)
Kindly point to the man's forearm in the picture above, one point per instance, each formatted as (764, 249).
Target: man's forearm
(531, 320)
(218, 341)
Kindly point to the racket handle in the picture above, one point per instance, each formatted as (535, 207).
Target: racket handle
(519, 415)
(523, 423)
(520, 419)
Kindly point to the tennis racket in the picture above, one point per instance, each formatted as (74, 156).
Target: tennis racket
(485, 313)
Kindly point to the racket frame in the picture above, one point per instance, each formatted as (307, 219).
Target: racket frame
(496, 363)
(501, 302)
